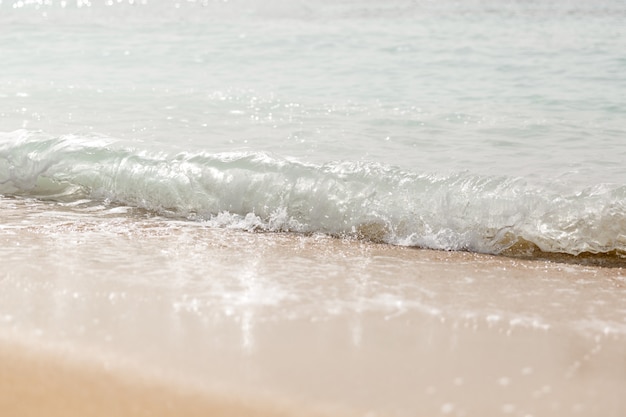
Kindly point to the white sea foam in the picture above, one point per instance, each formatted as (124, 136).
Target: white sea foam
(260, 191)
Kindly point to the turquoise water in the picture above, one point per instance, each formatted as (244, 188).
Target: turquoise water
(481, 126)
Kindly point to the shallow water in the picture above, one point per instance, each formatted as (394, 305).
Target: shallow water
(312, 321)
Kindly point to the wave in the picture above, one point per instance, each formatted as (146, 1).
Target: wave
(365, 200)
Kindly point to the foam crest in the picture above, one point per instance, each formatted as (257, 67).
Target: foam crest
(263, 192)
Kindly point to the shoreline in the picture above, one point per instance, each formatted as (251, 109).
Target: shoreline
(154, 315)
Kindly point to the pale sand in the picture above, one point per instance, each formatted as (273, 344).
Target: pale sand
(40, 382)
(124, 316)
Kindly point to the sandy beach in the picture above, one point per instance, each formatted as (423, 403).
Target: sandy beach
(191, 320)
(497, 380)
(41, 383)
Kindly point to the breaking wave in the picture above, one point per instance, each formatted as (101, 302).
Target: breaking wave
(264, 192)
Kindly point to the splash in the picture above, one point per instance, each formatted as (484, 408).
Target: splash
(264, 192)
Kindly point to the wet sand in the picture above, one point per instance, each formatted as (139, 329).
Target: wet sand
(457, 373)
(117, 314)
(40, 383)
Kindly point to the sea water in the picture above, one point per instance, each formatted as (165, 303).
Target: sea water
(487, 126)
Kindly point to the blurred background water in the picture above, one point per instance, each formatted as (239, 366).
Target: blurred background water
(515, 88)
